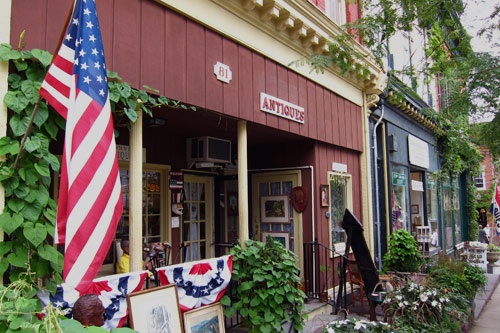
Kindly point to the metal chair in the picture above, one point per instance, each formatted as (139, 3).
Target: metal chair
(158, 256)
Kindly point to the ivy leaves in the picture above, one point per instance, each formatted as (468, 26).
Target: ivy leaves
(267, 292)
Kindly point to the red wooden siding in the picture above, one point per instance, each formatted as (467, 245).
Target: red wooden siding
(148, 44)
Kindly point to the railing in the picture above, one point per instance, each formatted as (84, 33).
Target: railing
(322, 274)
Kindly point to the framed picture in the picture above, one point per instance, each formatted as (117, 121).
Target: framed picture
(324, 195)
(274, 209)
(155, 310)
(208, 318)
(282, 237)
(232, 204)
(414, 209)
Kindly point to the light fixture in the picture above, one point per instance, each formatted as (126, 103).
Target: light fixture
(154, 122)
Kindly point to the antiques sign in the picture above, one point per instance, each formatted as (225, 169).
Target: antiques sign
(281, 108)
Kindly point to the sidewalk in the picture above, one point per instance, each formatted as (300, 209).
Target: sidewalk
(487, 309)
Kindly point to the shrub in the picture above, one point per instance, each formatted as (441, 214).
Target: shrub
(403, 254)
(268, 292)
(458, 276)
(418, 308)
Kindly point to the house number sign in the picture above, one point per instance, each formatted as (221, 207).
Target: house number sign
(223, 72)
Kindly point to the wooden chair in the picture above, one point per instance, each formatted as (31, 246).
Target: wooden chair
(356, 282)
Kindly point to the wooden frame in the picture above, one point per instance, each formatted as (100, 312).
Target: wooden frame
(282, 237)
(414, 209)
(274, 209)
(205, 318)
(324, 195)
(155, 310)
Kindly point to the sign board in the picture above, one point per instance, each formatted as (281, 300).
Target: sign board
(418, 152)
(476, 254)
(124, 153)
(223, 72)
(398, 179)
(281, 108)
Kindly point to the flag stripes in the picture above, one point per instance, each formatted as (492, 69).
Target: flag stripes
(90, 200)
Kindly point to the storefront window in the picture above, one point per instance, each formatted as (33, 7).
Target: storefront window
(340, 199)
(400, 200)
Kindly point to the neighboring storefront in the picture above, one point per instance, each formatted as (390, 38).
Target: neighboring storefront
(411, 198)
(270, 150)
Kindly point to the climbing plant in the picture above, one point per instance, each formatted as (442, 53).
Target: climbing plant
(26, 172)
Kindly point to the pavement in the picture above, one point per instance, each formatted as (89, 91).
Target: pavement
(487, 311)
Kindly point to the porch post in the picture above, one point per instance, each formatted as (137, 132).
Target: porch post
(135, 194)
(5, 12)
(242, 182)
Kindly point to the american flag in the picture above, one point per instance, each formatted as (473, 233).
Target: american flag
(90, 201)
(200, 282)
(112, 291)
(495, 209)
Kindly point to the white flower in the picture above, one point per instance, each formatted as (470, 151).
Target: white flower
(424, 298)
(359, 325)
(434, 303)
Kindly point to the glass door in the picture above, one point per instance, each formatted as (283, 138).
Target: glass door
(197, 218)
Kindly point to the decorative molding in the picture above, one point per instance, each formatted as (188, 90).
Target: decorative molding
(372, 100)
(306, 24)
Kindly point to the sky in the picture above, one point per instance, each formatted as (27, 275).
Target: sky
(476, 16)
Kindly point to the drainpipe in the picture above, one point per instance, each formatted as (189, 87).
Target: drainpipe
(377, 201)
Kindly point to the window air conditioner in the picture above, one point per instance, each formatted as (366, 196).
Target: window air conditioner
(208, 149)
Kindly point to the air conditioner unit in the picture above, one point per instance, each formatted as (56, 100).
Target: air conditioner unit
(208, 149)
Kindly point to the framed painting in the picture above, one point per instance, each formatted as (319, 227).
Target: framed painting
(155, 310)
(281, 237)
(414, 209)
(324, 195)
(274, 209)
(208, 318)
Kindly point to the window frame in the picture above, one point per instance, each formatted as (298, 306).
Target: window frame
(348, 203)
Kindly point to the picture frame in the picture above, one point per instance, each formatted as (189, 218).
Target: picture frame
(282, 237)
(414, 209)
(155, 310)
(274, 209)
(324, 195)
(232, 204)
(205, 319)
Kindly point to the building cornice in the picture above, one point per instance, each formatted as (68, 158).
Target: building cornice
(285, 31)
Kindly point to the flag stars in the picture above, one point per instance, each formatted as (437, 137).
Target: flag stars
(68, 37)
(90, 25)
(95, 52)
(92, 38)
(86, 11)
(101, 92)
(97, 65)
(84, 66)
(87, 80)
(99, 78)
(75, 21)
(82, 53)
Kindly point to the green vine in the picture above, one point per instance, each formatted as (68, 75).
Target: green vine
(29, 215)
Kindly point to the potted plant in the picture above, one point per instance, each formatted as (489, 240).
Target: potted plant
(268, 293)
(492, 253)
(403, 254)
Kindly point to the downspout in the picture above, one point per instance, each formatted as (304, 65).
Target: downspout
(377, 200)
